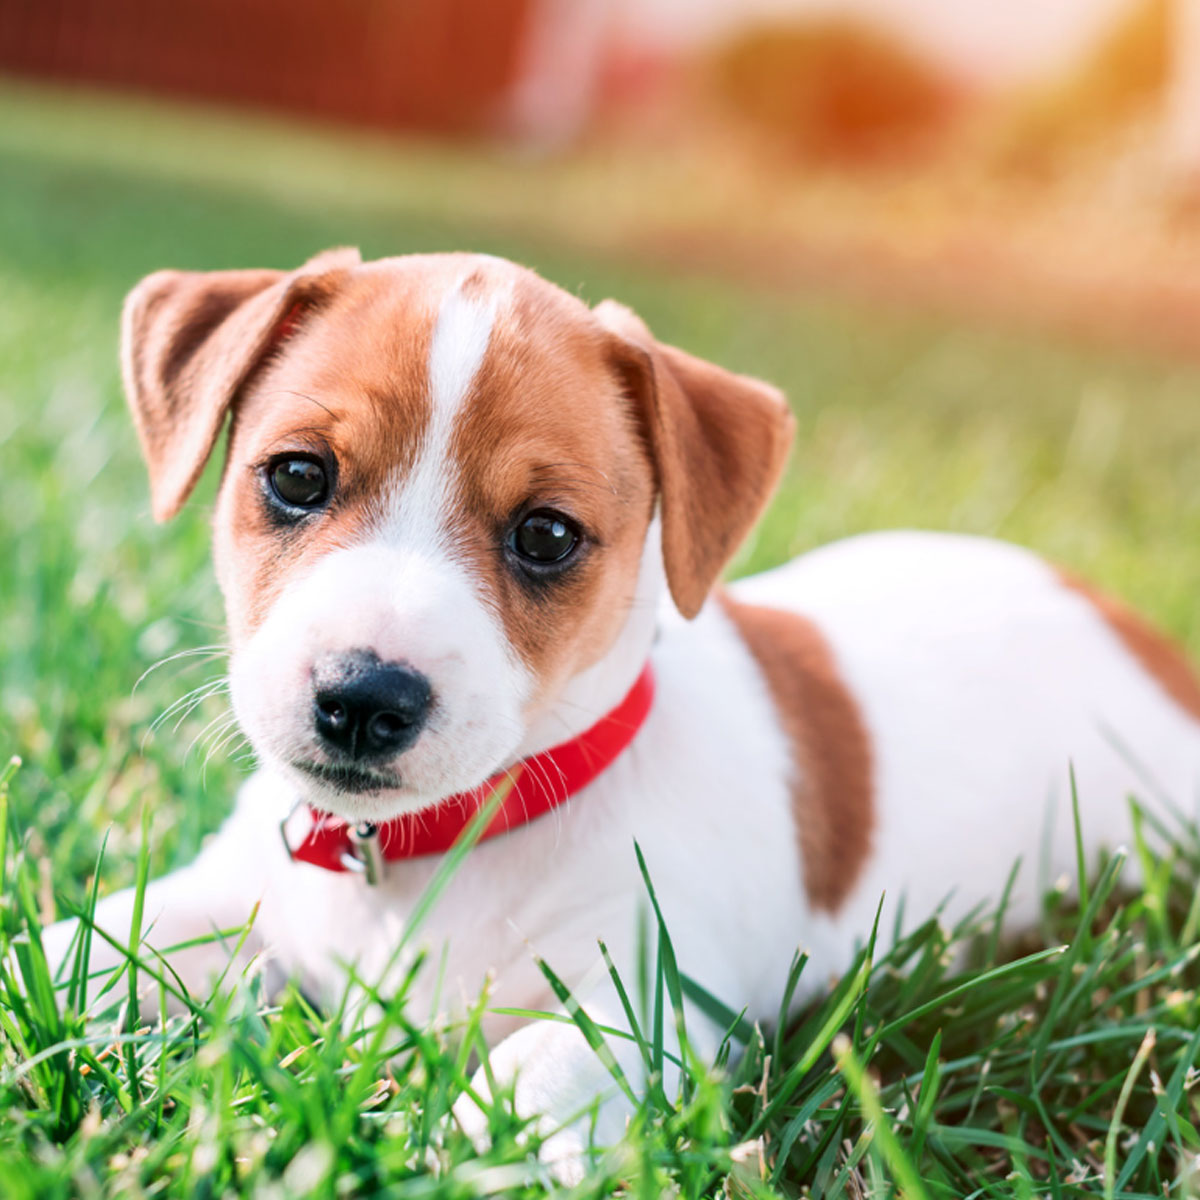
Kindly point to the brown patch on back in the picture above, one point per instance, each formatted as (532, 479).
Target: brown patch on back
(1157, 654)
(832, 789)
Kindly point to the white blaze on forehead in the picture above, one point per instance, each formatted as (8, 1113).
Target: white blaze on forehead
(460, 340)
(416, 511)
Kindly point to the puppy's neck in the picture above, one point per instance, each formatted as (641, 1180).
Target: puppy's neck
(602, 686)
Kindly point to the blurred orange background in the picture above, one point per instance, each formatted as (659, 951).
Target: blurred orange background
(1036, 159)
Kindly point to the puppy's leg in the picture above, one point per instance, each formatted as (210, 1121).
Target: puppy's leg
(569, 1091)
(216, 892)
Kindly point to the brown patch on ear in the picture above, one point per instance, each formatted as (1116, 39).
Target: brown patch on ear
(189, 341)
(1157, 654)
(832, 786)
(719, 442)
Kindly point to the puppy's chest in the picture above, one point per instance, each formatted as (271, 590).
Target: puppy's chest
(510, 903)
(706, 791)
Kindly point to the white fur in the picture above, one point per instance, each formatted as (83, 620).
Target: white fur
(590, 694)
(421, 498)
(407, 605)
(401, 592)
(979, 678)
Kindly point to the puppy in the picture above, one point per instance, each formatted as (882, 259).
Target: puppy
(468, 536)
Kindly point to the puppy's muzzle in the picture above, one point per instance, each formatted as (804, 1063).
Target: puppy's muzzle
(365, 710)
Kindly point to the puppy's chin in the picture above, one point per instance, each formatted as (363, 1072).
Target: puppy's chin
(376, 795)
(356, 796)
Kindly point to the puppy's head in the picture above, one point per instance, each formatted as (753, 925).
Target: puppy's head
(437, 504)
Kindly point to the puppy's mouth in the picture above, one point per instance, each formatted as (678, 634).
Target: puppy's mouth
(354, 780)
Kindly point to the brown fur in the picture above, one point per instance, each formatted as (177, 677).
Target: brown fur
(1159, 657)
(719, 442)
(563, 413)
(189, 343)
(351, 381)
(832, 792)
(546, 426)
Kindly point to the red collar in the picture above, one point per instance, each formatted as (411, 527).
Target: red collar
(538, 784)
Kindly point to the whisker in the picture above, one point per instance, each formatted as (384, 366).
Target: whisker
(315, 430)
(216, 689)
(575, 466)
(199, 624)
(570, 485)
(186, 704)
(550, 471)
(224, 719)
(217, 746)
(220, 738)
(214, 651)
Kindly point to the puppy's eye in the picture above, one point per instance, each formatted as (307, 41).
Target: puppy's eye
(299, 482)
(544, 536)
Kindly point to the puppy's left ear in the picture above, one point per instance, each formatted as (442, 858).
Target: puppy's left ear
(719, 443)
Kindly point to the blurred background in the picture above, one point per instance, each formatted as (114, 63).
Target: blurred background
(964, 235)
(1039, 158)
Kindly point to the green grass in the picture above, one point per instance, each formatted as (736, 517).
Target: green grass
(1006, 1081)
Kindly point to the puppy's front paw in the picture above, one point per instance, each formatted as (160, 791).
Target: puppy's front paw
(567, 1156)
(563, 1150)
(560, 1087)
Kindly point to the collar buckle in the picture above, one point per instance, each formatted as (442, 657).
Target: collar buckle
(284, 836)
(365, 856)
(355, 849)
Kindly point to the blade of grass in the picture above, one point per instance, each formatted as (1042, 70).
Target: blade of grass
(835, 1018)
(135, 939)
(588, 1027)
(894, 1155)
(669, 969)
(1114, 1128)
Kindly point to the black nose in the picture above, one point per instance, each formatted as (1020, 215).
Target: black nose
(366, 709)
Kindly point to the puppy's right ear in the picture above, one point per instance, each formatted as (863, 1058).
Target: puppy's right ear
(190, 340)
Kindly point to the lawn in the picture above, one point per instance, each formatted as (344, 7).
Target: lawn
(1006, 1087)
